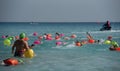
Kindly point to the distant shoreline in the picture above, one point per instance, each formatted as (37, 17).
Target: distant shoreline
(57, 22)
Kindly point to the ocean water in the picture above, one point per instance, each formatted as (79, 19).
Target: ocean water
(49, 57)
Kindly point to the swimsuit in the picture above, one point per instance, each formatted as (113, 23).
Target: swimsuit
(19, 53)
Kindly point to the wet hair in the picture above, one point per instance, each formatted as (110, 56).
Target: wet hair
(33, 45)
(57, 33)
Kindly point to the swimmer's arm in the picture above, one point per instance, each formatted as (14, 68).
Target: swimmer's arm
(89, 36)
(13, 47)
(26, 45)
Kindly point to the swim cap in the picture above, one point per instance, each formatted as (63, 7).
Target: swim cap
(22, 35)
(109, 37)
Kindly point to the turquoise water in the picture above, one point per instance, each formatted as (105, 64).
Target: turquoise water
(49, 57)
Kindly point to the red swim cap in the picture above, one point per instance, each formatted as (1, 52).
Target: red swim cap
(109, 37)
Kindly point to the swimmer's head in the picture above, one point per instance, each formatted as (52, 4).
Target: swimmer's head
(109, 37)
(22, 35)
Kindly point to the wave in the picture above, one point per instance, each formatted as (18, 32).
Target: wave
(113, 31)
(66, 46)
(33, 23)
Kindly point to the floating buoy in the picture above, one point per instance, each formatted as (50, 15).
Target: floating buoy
(117, 49)
(91, 41)
(26, 39)
(35, 34)
(11, 61)
(37, 42)
(58, 43)
(7, 42)
(3, 36)
(29, 53)
(62, 35)
(107, 42)
(73, 36)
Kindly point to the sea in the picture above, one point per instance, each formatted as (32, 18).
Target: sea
(67, 57)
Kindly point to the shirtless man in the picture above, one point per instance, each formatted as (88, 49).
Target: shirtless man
(20, 46)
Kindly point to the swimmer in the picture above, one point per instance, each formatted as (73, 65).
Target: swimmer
(89, 36)
(107, 25)
(78, 43)
(57, 33)
(20, 46)
(66, 38)
(114, 45)
(101, 41)
(45, 36)
(84, 42)
(31, 46)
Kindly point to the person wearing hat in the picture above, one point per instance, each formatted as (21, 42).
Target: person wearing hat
(20, 46)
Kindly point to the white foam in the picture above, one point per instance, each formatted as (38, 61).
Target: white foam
(109, 31)
(105, 31)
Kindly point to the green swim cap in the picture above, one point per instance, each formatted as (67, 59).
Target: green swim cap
(22, 35)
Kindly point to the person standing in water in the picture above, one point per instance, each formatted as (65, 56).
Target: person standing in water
(107, 25)
(20, 46)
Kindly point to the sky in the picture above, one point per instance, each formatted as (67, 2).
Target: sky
(59, 10)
